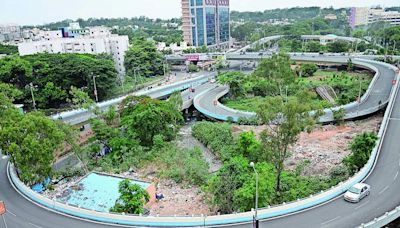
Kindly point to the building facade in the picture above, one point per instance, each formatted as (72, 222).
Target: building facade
(206, 23)
(111, 44)
(365, 15)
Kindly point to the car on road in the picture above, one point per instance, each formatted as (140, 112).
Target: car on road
(357, 192)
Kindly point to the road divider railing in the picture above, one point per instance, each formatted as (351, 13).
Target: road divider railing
(392, 215)
(328, 113)
(82, 115)
(215, 220)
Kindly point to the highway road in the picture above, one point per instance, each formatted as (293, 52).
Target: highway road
(379, 93)
(21, 213)
(337, 213)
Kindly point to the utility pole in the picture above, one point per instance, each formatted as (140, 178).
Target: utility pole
(95, 88)
(33, 96)
(255, 222)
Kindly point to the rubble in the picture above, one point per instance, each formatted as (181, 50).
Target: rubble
(325, 147)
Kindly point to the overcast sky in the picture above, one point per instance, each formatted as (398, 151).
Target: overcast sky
(35, 12)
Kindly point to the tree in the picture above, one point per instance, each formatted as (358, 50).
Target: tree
(8, 49)
(277, 73)
(248, 145)
(146, 118)
(193, 68)
(313, 46)
(338, 46)
(361, 148)
(31, 141)
(176, 100)
(235, 82)
(132, 198)
(143, 59)
(227, 181)
(289, 117)
(308, 69)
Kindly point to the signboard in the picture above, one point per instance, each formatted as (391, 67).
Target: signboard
(214, 2)
(192, 57)
(2, 208)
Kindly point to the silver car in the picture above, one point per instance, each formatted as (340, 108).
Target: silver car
(357, 192)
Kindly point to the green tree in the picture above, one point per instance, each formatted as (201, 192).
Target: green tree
(8, 49)
(146, 118)
(338, 46)
(143, 59)
(308, 69)
(290, 118)
(235, 82)
(313, 46)
(176, 100)
(276, 73)
(31, 140)
(361, 148)
(248, 145)
(132, 198)
(227, 181)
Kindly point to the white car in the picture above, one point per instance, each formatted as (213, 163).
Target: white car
(357, 192)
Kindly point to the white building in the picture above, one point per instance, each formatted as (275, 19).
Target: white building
(110, 44)
(365, 15)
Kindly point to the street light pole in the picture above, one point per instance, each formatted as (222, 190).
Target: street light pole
(95, 88)
(33, 96)
(255, 222)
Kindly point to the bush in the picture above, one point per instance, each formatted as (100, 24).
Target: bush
(308, 69)
(181, 165)
(361, 148)
(217, 136)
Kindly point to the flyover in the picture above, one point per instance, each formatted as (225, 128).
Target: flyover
(78, 116)
(375, 99)
(328, 213)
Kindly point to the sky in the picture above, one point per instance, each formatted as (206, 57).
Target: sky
(36, 12)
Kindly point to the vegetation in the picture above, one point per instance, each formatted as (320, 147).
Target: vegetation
(30, 139)
(143, 59)
(8, 49)
(361, 148)
(53, 75)
(345, 84)
(307, 69)
(232, 188)
(132, 198)
(136, 27)
(291, 117)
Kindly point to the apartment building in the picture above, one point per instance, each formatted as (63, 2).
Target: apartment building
(206, 23)
(365, 15)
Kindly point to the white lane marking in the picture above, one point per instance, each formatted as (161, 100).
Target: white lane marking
(8, 211)
(395, 176)
(35, 225)
(394, 118)
(324, 223)
(361, 205)
(383, 190)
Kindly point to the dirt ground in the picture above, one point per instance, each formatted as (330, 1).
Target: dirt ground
(326, 146)
(178, 199)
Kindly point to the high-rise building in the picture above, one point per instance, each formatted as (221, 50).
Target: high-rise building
(365, 15)
(206, 23)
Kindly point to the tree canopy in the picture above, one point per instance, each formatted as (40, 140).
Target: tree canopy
(143, 59)
(53, 75)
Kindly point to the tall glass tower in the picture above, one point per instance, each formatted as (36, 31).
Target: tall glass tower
(206, 23)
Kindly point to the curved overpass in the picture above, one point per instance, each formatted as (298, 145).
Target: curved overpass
(334, 213)
(378, 92)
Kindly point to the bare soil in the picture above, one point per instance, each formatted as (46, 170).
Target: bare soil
(325, 147)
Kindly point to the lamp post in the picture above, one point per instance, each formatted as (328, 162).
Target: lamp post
(255, 221)
(95, 88)
(33, 96)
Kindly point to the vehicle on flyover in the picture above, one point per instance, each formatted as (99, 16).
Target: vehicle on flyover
(357, 192)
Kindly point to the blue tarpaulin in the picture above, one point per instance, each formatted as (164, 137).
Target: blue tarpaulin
(39, 188)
